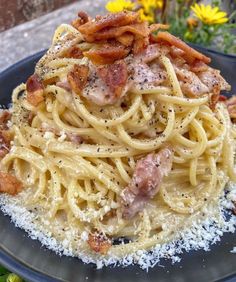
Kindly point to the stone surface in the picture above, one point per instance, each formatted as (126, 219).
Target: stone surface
(19, 11)
(28, 38)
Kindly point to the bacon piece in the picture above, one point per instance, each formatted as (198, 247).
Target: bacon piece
(146, 181)
(73, 52)
(99, 243)
(5, 116)
(64, 84)
(78, 77)
(114, 76)
(152, 52)
(110, 20)
(190, 84)
(157, 26)
(214, 97)
(138, 29)
(34, 88)
(31, 117)
(83, 18)
(211, 77)
(140, 44)
(107, 54)
(198, 66)
(215, 83)
(9, 184)
(5, 142)
(231, 106)
(126, 39)
(74, 138)
(191, 54)
(176, 52)
(222, 98)
(146, 77)
(50, 81)
(5, 135)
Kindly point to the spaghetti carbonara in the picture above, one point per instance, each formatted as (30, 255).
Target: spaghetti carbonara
(119, 136)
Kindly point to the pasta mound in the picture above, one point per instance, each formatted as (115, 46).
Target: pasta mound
(119, 133)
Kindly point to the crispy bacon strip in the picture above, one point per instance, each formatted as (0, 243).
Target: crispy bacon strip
(138, 29)
(231, 106)
(74, 138)
(64, 84)
(157, 26)
(73, 52)
(212, 77)
(189, 52)
(34, 88)
(78, 77)
(5, 135)
(83, 18)
(31, 117)
(198, 66)
(146, 181)
(107, 54)
(190, 83)
(5, 142)
(215, 96)
(115, 77)
(110, 20)
(139, 45)
(126, 39)
(5, 116)
(99, 243)
(9, 184)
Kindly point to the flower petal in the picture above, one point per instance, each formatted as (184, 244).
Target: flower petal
(208, 14)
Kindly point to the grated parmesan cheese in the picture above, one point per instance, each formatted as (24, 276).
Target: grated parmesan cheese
(201, 235)
(234, 250)
(48, 135)
(62, 137)
(84, 236)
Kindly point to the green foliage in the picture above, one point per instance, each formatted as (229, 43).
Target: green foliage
(6, 276)
(215, 36)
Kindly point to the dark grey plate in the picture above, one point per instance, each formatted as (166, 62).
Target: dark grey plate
(29, 259)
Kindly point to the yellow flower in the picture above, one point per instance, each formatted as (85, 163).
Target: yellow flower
(149, 17)
(13, 278)
(151, 4)
(119, 6)
(147, 12)
(209, 15)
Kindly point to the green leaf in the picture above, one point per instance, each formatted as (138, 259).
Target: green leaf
(3, 278)
(3, 270)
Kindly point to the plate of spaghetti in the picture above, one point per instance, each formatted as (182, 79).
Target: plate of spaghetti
(118, 149)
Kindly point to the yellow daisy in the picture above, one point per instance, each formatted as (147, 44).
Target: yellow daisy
(151, 4)
(209, 15)
(146, 17)
(119, 6)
